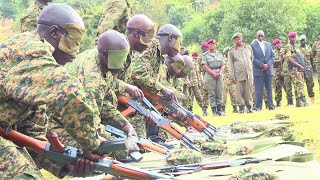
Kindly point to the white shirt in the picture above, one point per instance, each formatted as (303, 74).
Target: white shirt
(262, 47)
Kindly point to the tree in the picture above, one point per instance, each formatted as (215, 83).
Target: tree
(7, 9)
(313, 22)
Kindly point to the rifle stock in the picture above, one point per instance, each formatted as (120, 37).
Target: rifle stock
(142, 143)
(69, 155)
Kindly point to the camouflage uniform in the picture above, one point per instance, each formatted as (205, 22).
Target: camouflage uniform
(315, 54)
(306, 51)
(144, 73)
(228, 87)
(279, 82)
(29, 77)
(196, 83)
(204, 91)
(29, 18)
(115, 16)
(297, 75)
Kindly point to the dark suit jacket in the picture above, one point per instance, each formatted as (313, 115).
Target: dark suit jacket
(260, 58)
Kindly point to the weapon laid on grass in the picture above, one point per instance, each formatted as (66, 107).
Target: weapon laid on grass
(57, 152)
(142, 143)
(159, 120)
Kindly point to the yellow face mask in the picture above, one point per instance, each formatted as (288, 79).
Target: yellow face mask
(116, 58)
(178, 43)
(70, 41)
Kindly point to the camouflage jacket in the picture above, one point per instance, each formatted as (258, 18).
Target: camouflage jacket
(99, 89)
(278, 70)
(115, 16)
(306, 52)
(145, 67)
(30, 76)
(30, 17)
(290, 50)
(315, 52)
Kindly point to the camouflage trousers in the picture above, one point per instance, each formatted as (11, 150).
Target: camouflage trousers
(310, 84)
(230, 88)
(195, 92)
(317, 64)
(298, 83)
(16, 163)
(278, 83)
(288, 80)
(205, 96)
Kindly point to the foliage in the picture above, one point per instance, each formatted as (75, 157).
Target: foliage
(313, 22)
(7, 9)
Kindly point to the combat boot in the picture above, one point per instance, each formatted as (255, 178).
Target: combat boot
(224, 110)
(278, 104)
(190, 108)
(214, 110)
(219, 110)
(204, 111)
(241, 109)
(312, 100)
(235, 109)
(249, 109)
(298, 102)
(290, 101)
(304, 101)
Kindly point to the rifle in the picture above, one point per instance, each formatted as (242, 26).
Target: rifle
(143, 143)
(301, 62)
(58, 153)
(189, 168)
(159, 120)
(198, 123)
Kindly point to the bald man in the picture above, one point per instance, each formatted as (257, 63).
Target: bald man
(34, 82)
(29, 19)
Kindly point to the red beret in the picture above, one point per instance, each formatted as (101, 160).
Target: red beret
(276, 41)
(211, 41)
(204, 44)
(195, 54)
(292, 34)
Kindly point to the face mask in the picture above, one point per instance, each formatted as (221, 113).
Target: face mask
(178, 63)
(116, 58)
(178, 43)
(70, 41)
(147, 37)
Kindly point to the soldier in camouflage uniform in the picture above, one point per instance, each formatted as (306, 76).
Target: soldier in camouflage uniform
(315, 55)
(196, 82)
(204, 48)
(279, 74)
(306, 51)
(115, 16)
(31, 78)
(228, 87)
(296, 71)
(213, 64)
(93, 69)
(29, 19)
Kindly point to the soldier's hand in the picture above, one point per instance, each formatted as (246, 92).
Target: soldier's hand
(168, 94)
(82, 168)
(181, 115)
(134, 91)
(129, 130)
(302, 69)
(233, 81)
(132, 146)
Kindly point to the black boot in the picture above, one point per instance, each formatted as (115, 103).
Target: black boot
(204, 111)
(190, 108)
(290, 101)
(298, 102)
(266, 104)
(214, 111)
(220, 111)
(304, 101)
(249, 109)
(224, 110)
(278, 103)
(241, 109)
(235, 109)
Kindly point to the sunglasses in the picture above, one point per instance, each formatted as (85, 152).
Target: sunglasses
(167, 34)
(260, 35)
(61, 29)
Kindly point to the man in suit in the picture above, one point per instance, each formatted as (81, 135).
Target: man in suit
(262, 70)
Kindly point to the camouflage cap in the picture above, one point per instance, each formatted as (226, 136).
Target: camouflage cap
(239, 127)
(254, 173)
(213, 148)
(282, 116)
(259, 127)
(279, 131)
(237, 34)
(183, 156)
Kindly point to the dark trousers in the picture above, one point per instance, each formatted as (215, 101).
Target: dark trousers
(259, 83)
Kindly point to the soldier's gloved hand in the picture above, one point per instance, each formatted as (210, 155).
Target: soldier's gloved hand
(129, 129)
(134, 91)
(168, 94)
